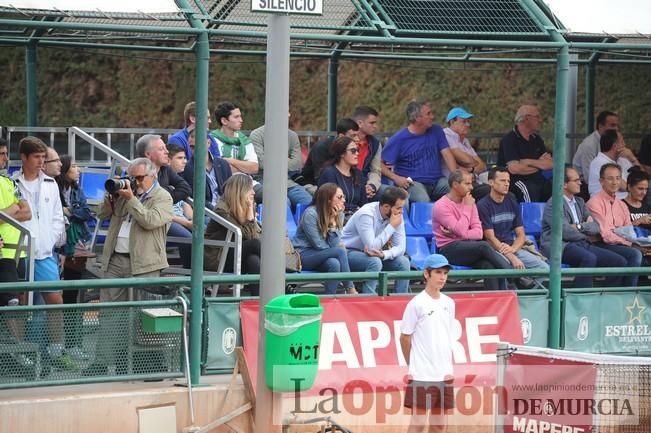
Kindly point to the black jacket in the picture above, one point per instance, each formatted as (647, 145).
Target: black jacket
(174, 184)
(220, 168)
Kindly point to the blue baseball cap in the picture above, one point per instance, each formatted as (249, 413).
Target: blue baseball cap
(436, 261)
(458, 112)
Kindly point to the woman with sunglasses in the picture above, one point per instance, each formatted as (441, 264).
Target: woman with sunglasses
(343, 171)
(318, 237)
(237, 205)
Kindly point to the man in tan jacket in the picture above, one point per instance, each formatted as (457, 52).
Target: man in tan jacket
(141, 213)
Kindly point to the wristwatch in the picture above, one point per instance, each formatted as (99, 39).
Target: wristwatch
(579, 227)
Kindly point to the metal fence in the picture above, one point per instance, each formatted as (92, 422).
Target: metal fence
(97, 342)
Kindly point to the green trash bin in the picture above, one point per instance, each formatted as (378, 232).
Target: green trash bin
(292, 330)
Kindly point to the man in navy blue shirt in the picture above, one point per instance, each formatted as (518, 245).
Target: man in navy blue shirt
(500, 217)
(523, 152)
(414, 153)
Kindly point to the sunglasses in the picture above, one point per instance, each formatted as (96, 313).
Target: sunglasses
(140, 178)
(353, 150)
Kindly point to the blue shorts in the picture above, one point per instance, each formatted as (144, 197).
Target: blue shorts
(47, 269)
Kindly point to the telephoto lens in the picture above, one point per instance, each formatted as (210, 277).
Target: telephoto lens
(114, 185)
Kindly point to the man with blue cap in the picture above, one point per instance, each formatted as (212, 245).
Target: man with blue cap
(457, 135)
(428, 318)
(464, 154)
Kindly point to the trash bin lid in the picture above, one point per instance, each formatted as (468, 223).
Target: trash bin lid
(302, 303)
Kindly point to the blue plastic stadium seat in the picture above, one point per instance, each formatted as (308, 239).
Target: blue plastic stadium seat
(92, 183)
(532, 215)
(417, 250)
(641, 232)
(289, 220)
(300, 208)
(421, 219)
(433, 250)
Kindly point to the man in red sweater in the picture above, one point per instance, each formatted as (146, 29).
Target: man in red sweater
(458, 232)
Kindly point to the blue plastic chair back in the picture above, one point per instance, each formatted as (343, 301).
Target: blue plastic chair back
(417, 250)
(421, 219)
(289, 220)
(532, 215)
(300, 208)
(92, 183)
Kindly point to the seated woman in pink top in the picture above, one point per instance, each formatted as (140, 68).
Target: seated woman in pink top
(458, 232)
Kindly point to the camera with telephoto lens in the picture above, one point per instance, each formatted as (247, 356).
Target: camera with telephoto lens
(112, 186)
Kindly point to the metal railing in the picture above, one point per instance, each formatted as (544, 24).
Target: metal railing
(24, 246)
(92, 318)
(233, 235)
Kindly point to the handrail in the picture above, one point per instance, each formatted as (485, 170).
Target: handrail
(76, 131)
(302, 278)
(237, 245)
(232, 228)
(25, 244)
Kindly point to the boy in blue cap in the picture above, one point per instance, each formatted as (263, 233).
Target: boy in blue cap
(428, 318)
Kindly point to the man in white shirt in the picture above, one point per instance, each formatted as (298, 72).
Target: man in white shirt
(589, 147)
(613, 148)
(375, 238)
(48, 228)
(426, 343)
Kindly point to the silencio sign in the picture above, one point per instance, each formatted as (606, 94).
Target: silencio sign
(307, 7)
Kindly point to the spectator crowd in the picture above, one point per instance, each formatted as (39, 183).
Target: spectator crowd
(353, 193)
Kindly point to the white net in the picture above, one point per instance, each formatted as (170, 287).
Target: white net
(546, 390)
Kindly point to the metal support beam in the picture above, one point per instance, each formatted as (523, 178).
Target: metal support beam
(573, 75)
(202, 53)
(274, 184)
(333, 70)
(560, 127)
(590, 71)
(31, 85)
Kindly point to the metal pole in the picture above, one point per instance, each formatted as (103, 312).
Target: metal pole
(272, 272)
(589, 97)
(333, 69)
(31, 84)
(202, 52)
(570, 143)
(562, 78)
(560, 127)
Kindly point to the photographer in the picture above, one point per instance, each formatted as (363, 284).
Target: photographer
(141, 212)
(135, 243)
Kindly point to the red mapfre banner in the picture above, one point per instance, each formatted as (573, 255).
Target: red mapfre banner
(360, 339)
(545, 394)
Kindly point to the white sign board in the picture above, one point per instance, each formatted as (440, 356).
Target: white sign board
(306, 7)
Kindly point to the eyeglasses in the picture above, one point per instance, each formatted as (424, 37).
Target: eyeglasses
(140, 178)
(353, 150)
(53, 160)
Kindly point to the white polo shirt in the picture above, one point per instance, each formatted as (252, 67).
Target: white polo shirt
(429, 322)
